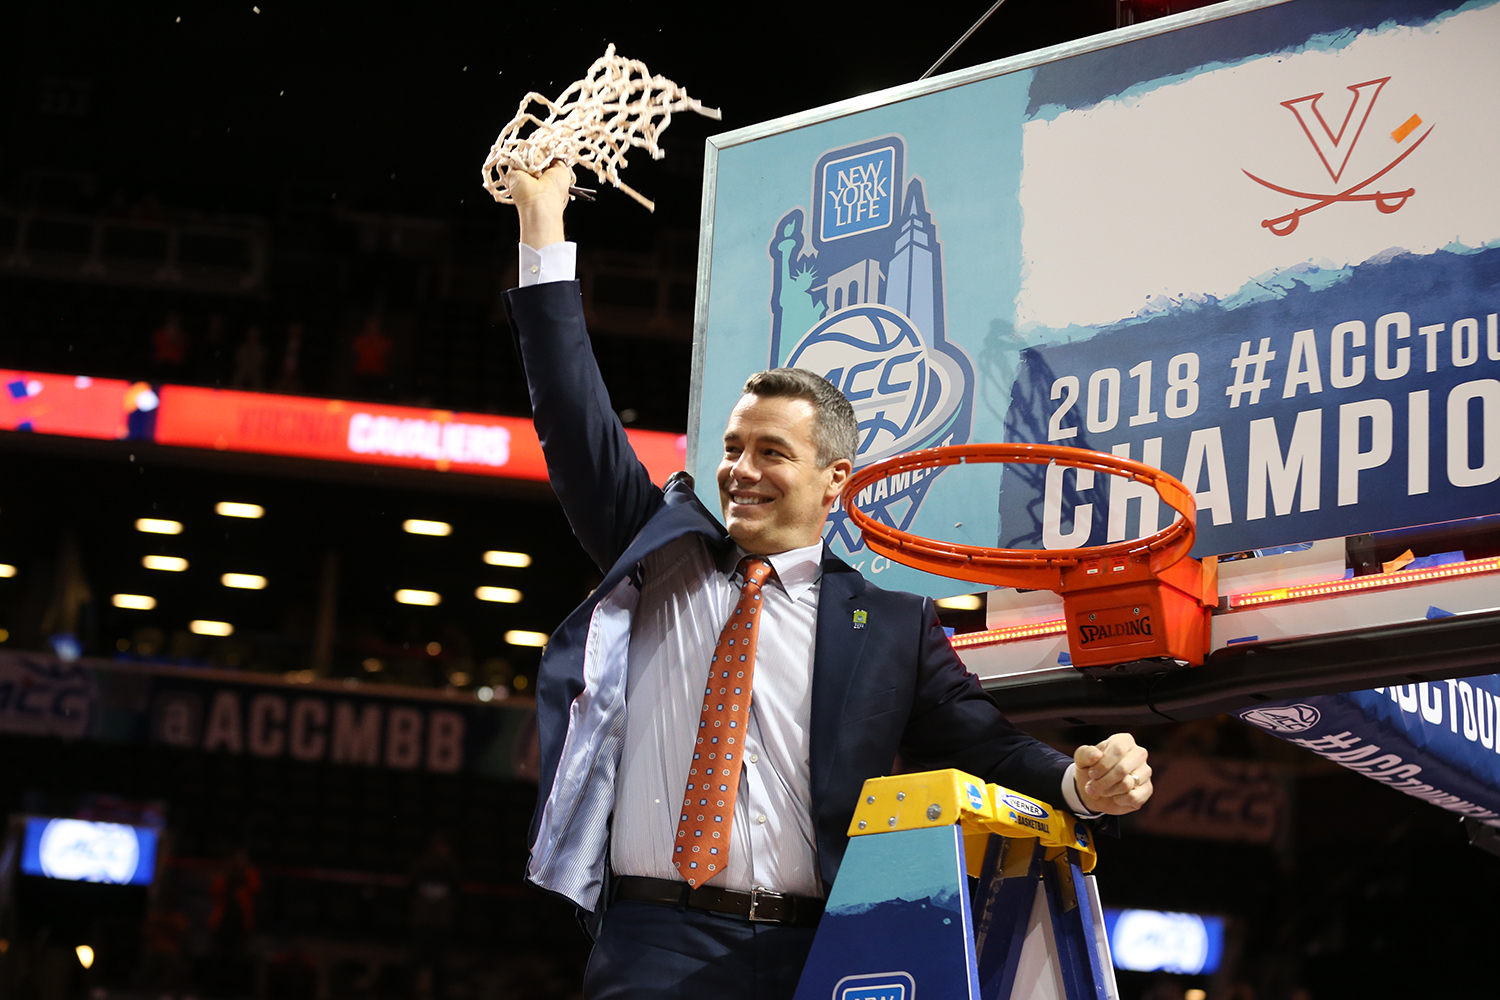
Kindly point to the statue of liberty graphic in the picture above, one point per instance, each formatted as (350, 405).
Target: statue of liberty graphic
(796, 307)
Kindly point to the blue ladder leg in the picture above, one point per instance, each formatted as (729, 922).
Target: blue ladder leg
(1002, 907)
(1079, 957)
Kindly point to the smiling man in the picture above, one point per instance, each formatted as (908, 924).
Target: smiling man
(779, 475)
(708, 715)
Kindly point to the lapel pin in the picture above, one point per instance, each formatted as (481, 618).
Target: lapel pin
(860, 617)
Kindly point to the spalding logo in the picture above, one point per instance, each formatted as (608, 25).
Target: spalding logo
(1285, 719)
(1023, 806)
(905, 393)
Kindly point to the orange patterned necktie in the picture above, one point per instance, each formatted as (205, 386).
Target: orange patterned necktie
(702, 848)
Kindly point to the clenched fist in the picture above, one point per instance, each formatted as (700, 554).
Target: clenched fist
(1113, 777)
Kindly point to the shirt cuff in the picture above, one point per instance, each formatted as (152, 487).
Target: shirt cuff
(1072, 798)
(553, 262)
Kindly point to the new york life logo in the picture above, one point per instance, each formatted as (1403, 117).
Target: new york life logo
(1335, 145)
(857, 297)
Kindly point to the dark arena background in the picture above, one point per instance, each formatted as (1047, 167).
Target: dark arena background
(309, 680)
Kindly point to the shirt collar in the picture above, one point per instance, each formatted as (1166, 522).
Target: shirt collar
(796, 569)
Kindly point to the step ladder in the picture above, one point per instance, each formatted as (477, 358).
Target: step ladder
(951, 889)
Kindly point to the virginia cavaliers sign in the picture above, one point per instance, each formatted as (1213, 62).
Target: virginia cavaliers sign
(1334, 149)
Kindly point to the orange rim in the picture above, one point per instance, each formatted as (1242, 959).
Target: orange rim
(1041, 568)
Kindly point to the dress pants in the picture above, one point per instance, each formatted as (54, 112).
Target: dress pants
(651, 951)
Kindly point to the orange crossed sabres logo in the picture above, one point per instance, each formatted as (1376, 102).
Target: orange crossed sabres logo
(1334, 149)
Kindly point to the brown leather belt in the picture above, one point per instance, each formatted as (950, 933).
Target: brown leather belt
(759, 905)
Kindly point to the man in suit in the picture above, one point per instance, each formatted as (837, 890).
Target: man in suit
(719, 895)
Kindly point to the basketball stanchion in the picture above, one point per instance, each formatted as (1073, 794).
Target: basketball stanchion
(950, 889)
(1139, 604)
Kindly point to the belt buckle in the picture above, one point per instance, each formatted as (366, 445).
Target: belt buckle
(756, 895)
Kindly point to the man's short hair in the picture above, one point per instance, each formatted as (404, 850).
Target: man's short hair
(835, 430)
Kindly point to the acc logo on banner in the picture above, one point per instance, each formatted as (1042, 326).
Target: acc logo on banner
(1289, 719)
(857, 297)
(41, 697)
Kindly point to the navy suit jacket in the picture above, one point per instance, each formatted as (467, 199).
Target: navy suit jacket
(893, 686)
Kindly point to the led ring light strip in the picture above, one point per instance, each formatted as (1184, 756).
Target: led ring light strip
(1260, 598)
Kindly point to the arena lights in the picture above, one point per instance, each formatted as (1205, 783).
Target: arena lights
(521, 637)
(1036, 630)
(229, 508)
(500, 595)
(133, 602)
(167, 564)
(211, 628)
(518, 560)
(426, 598)
(1330, 588)
(416, 526)
(963, 602)
(158, 526)
(243, 581)
(6, 569)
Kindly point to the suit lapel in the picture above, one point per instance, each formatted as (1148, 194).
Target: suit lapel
(682, 514)
(836, 655)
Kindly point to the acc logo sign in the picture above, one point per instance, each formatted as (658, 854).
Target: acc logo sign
(857, 297)
(1286, 719)
(879, 986)
(1021, 805)
(901, 388)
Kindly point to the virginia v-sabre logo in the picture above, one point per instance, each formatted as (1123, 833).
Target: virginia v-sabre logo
(1333, 138)
(857, 297)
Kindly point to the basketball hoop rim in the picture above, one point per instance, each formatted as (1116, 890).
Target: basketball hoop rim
(1164, 548)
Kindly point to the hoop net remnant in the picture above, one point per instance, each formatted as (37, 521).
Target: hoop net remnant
(594, 123)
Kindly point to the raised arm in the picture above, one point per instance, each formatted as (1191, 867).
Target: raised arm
(604, 489)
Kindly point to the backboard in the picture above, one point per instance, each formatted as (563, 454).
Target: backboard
(1253, 245)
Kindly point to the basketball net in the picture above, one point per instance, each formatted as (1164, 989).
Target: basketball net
(594, 124)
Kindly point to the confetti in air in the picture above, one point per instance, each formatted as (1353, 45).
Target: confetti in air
(594, 124)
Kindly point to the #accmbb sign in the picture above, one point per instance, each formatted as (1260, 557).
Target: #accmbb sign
(1260, 251)
(1433, 741)
(216, 712)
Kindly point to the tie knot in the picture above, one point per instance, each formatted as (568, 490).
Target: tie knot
(755, 569)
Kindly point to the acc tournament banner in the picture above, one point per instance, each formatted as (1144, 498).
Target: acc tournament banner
(1433, 741)
(1257, 246)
